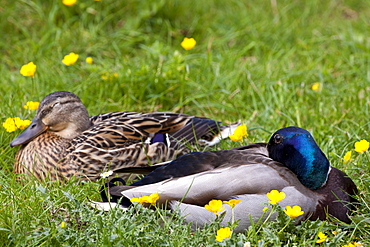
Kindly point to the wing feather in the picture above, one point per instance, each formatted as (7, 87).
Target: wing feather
(221, 183)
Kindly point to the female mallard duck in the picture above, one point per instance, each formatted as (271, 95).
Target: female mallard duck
(62, 141)
(291, 162)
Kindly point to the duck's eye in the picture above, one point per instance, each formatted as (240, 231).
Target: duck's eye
(55, 104)
(45, 111)
(48, 109)
(278, 138)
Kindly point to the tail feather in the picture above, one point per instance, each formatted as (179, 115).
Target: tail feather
(203, 131)
(226, 130)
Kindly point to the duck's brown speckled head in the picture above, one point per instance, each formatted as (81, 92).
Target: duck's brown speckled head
(61, 112)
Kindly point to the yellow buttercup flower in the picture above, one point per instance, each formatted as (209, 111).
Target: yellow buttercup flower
(109, 76)
(316, 86)
(70, 59)
(63, 225)
(9, 125)
(12, 124)
(137, 199)
(361, 146)
(214, 206)
(347, 157)
(152, 199)
(239, 133)
(188, 43)
(275, 196)
(28, 69)
(31, 105)
(322, 237)
(89, 60)
(350, 245)
(23, 124)
(223, 233)
(294, 211)
(69, 2)
(232, 203)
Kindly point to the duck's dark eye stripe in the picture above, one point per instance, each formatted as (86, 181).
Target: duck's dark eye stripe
(67, 102)
(45, 111)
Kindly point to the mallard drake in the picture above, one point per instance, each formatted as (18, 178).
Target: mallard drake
(63, 141)
(290, 162)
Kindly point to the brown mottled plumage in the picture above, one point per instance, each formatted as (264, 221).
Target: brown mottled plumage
(62, 141)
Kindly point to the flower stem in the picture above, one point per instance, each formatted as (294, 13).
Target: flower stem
(267, 218)
(281, 230)
(232, 216)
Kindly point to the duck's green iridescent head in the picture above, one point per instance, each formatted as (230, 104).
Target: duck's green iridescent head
(295, 148)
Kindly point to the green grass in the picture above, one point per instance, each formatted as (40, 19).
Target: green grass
(253, 61)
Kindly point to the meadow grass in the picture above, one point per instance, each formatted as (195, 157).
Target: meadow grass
(254, 61)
